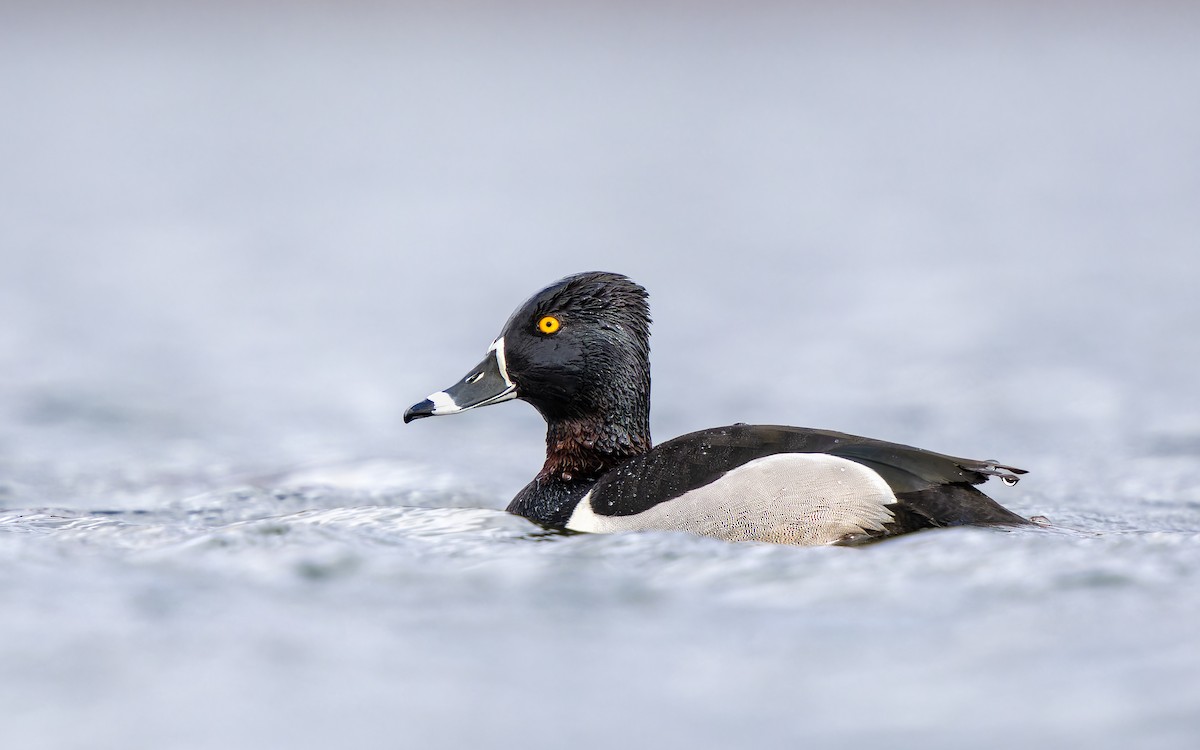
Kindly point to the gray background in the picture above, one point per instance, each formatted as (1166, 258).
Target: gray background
(237, 242)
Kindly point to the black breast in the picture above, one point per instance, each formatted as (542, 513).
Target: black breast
(549, 502)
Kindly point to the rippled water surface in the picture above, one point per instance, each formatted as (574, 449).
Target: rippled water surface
(237, 243)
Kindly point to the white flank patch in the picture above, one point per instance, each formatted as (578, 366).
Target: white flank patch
(787, 498)
(443, 404)
(498, 347)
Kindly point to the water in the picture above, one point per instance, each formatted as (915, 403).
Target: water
(237, 243)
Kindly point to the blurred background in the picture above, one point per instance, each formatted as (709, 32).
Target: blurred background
(238, 240)
(253, 233)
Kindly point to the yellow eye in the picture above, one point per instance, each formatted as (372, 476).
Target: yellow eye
(549, 325)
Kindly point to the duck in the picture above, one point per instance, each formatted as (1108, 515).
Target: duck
(578, 351)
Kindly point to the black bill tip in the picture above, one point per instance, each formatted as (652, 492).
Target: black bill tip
(418, 411)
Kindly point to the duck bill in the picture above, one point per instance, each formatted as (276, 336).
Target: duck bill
(486, 384)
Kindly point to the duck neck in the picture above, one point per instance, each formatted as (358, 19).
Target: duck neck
(582, 448)
(579, 450)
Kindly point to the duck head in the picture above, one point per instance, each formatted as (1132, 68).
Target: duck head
(578, 351)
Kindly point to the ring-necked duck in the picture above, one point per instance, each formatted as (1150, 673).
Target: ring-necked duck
(579, 352)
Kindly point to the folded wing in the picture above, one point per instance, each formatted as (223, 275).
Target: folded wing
(792, 485)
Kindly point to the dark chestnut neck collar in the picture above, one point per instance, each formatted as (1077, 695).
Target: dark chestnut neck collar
(584, 448)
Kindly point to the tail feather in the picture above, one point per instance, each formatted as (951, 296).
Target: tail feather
(1010, 475)
(957, 504)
